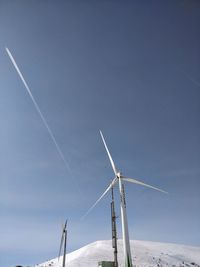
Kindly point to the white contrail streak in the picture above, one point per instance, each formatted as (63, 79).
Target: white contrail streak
(195, 82)
(38, 109)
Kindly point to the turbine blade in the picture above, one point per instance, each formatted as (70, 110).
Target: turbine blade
(111, 160)
(134, 181)
(65, 225)
(62, 238)
(108, 188)
(61, 244)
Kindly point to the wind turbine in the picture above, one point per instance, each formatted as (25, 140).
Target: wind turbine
(121, 179)
(63, 239)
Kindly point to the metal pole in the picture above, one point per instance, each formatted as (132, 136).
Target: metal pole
(114, 230)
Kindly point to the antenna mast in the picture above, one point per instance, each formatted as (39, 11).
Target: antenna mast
(114, 230)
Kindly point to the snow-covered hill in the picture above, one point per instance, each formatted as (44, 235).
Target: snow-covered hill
(144, 253)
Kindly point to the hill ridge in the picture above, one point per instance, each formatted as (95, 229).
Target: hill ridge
(144, 254)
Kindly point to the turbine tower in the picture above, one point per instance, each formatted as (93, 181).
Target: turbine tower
(121, 179)
(63, 239)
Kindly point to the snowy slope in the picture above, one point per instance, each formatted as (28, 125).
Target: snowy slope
(144, 254)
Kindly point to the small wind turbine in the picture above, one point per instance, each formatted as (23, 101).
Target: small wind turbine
(120, 179)
(63, 239)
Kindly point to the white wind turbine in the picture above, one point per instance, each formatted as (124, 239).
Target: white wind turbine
(63, 243)
(120, 179)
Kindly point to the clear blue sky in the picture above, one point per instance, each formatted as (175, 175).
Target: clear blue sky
(129, 68)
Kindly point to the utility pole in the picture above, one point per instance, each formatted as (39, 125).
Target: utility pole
(114, 230)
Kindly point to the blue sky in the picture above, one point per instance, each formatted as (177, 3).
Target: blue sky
(128, 68)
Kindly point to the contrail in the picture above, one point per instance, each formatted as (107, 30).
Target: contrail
(38, 109)
(195, 82)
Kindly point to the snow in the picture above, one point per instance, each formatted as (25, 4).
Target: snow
(144, 253)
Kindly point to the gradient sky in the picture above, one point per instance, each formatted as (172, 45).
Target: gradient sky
(129, 68)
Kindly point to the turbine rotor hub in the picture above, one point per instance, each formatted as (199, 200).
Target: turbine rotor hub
(119, 175)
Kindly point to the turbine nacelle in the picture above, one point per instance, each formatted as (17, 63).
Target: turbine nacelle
(118, 175)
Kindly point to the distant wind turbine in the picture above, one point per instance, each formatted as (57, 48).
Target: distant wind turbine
(120, 179)
(63, 243)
